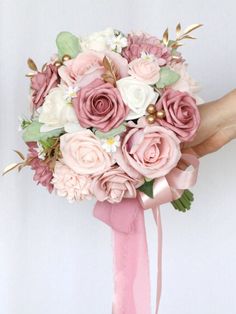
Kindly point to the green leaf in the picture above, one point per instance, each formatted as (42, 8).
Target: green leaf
(67, 44)
(168, 77)
(47, 143)
(111, 133)
(184, 202)
(32, 133)
(147, 188)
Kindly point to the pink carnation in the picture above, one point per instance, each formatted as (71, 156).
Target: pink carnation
(181, 113)
(114, 185)
(138, 43)
(69, 184)
(100, 105)
(43, 174)
(42, 83)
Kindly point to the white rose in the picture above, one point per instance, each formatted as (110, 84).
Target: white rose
(98, 41)
(56, 112)
(136, 95)
(186, 83)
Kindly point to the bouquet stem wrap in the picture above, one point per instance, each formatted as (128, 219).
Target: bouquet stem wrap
(132, 279)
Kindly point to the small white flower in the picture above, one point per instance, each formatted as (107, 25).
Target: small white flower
(110, 144)
(147, 56)
(116, 43)
(40, 151)
(70, 93)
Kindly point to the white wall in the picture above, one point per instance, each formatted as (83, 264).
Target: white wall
(55, 258)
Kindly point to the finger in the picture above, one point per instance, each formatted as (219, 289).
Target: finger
(212, 144)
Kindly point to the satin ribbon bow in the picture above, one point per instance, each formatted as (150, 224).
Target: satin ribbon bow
(132, 281)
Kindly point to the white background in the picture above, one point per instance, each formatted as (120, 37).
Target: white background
(55, 258)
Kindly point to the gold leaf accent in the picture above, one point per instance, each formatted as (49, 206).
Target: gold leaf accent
(10, 168)
(176, 45)
(178, 30)
(191, 28)
(20, 154)
(30, 74)
(111, 74)
(165, 37)
(44, 67)
(32, 65)
(187, 37)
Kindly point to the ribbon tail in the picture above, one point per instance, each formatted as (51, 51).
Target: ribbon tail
(132, 280)
(131, 265)
(157, 217)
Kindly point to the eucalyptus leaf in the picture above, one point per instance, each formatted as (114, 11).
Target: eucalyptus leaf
(168, 77)
(147, 188)
(32, 133)
(111, 133)
(68, 44)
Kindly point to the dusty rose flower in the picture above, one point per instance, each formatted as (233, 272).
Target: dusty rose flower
(43, 174)
(42, 83)
(138, 43)
(83, 153)
(100, 105)
(181, 113)
(145, 69)
(69, 184)
(114, 185)
(88, 66)
(148, 150)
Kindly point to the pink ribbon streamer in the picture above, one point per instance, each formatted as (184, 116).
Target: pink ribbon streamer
(132, 279)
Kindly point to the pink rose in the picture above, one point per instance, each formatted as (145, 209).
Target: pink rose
(148, 150)
(181, 113)
(43, 173)
(88, 66)
(100, 105)
(138, 43)
(42, 83)
(114, 185)
(145, 69)
(69, 184)
(83, 153)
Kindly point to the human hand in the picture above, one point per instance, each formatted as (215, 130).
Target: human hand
(217, 128)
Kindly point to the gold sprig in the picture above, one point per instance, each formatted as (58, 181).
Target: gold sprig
(111, 73)
(32, 65)
(180, 35)
(25, 162)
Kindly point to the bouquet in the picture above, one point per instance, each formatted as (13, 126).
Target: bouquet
(109, 114)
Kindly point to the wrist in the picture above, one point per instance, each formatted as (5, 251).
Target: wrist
(226, 107)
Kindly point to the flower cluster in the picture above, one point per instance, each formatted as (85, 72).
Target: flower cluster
(109, 114)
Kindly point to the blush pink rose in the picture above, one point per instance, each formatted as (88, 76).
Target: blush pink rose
(100, 105)
(42, 83)
(181, 114)
(145, 69)
(83, 153)
(88, 66)
(148, 150)
(69, 184)
(114, 185)
(138, 43)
